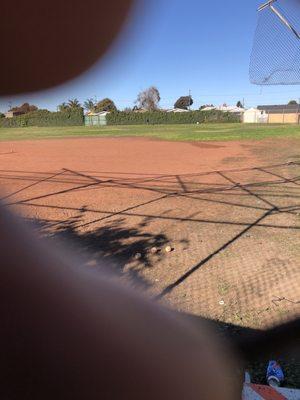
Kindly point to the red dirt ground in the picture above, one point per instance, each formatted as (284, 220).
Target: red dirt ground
(233, 227)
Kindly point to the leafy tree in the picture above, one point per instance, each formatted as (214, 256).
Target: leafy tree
(74, 104)
(148, 99)
(2, 115)
(292, 102)
(105, 105)
(239, 104)
(24, 108)
(89, 105)
(184, 102)
(63, 107)
(128, 109)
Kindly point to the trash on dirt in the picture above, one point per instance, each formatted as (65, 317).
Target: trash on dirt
(221, 302)
(168, 249)
(275, 374)
(247, 377)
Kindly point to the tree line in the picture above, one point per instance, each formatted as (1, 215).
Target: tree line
(147, 99)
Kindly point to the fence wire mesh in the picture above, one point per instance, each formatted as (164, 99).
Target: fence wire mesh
(235, 234)
(275, 58)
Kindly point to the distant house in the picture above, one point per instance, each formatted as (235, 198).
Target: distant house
(177, 110)
(11, 114)
(209, 108)
(225, 108)
(282, 114)
(255, 116)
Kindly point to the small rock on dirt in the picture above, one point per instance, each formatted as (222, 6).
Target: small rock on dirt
(138, 256)
(154, 250)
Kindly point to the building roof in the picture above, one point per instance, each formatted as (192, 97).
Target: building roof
(231, 109)
(280, 109)
(252, 109)
(176, 110)
(97, 113)
(11, 113)
(208, 108)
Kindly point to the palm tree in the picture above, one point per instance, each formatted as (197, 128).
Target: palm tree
(63, 107)
(74, 103)
(89, 105)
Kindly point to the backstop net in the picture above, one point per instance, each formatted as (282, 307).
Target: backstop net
(275, 58)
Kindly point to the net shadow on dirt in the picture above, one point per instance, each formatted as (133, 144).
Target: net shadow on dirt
(174, 185)
(272, 191)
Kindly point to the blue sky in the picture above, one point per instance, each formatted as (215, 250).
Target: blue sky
(175, 45)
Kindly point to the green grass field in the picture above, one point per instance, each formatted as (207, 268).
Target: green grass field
(204, 132)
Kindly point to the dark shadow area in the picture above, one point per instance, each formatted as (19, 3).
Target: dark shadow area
(113, 248)
(110, 247)
(255, 348)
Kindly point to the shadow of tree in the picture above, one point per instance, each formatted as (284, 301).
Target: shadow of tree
(114, 247)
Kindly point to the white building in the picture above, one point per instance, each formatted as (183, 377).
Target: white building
(255, 116)
(177, 110)
(225, 108)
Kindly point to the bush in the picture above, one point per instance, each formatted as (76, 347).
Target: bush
(45, 118)
(161, 117)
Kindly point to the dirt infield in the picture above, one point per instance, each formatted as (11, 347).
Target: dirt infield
(230, 211)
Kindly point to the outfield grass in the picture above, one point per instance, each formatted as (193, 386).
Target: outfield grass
(205, 132)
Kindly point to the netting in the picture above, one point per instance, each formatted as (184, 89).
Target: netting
(275, 58)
